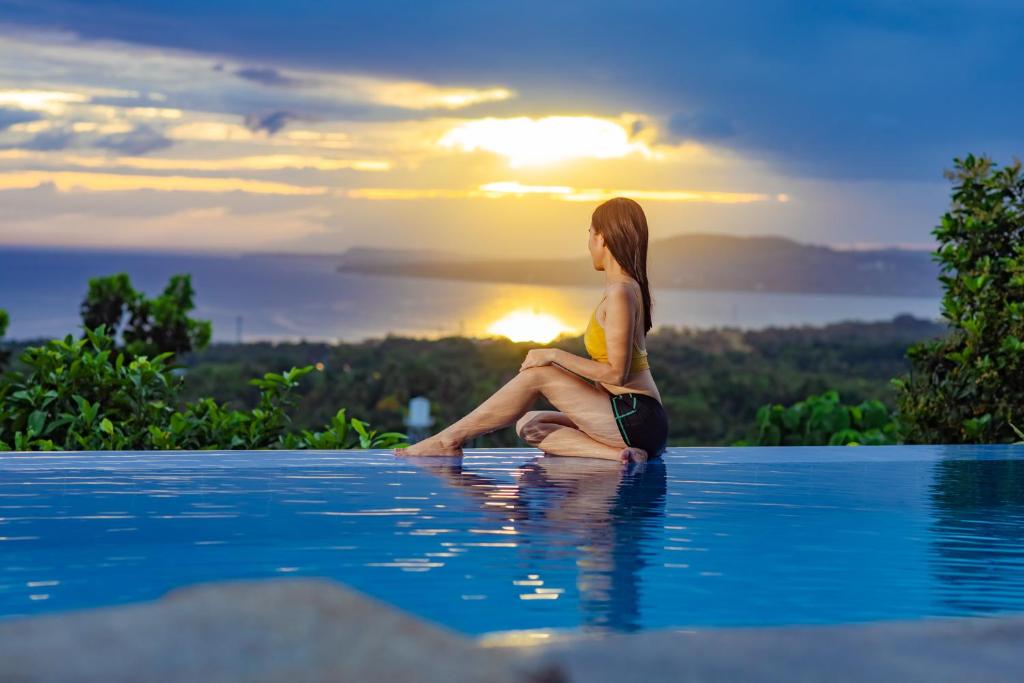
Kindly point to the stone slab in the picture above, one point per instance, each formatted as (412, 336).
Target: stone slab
(298, 630)
(960, 650)
(292, 630)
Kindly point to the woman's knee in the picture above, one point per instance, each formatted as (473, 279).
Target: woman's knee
(526, 423)
(539, 374)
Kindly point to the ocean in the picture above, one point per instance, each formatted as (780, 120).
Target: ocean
(252, 297)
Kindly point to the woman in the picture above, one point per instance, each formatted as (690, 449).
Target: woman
(607, 405)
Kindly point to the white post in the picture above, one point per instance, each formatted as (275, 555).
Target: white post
(419, 419)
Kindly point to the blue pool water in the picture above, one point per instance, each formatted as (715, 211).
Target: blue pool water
(508, 540)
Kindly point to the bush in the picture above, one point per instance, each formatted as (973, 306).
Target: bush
(966, 386)
(79, 395)
(824, 420)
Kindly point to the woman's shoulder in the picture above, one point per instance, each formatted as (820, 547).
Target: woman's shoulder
(627, 286)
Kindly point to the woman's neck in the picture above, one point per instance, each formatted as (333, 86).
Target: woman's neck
(613, 272)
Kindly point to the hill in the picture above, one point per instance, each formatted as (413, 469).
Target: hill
(695, 261)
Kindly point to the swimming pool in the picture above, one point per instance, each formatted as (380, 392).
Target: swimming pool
(508, 540)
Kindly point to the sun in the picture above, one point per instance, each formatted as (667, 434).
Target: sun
(535, 142)
(522, 325)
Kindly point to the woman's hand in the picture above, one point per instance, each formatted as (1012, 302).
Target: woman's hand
(536, 358)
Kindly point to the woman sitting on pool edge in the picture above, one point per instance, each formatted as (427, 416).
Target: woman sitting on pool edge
(608, 405)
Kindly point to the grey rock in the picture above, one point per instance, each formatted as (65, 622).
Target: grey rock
(961, 650)
(299, 630)
(292, 630)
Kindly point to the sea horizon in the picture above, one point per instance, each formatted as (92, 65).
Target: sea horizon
(280, 300)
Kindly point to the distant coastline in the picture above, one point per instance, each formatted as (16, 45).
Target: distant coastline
(695, 262)
(280, 296)
(700, 262)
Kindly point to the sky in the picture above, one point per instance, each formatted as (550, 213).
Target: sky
(493, 128)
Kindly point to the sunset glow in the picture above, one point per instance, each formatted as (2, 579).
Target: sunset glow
(531, 142)
(502, 189)
(445, 134)
(523, 325)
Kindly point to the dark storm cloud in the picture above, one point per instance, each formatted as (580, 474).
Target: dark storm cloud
(11, 117)
(140, 141)
(851, 89)
(270, 123)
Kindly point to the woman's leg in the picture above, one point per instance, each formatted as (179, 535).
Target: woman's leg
(501, 408)
(556, 434)
(585, 404)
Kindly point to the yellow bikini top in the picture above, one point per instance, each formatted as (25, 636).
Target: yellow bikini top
(593, 339)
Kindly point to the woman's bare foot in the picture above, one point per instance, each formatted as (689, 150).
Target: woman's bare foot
(631, 453)
(434, 445)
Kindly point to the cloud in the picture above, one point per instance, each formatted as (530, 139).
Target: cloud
(71, 181)
(137, 142)
(846, 89)
(10, 117)
(133, 141)
(271, 123)
(501, 189)
(48, 140)
(265, 76)
(268, 162)
(214, 227)
(701, 126)
(50, 101)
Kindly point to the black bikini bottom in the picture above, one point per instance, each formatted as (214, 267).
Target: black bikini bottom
(642, 421)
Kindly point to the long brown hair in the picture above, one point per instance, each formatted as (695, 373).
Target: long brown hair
(623, 225)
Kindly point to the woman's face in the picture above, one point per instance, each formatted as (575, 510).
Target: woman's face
(596, 246)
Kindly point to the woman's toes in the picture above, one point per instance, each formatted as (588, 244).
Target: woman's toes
(431, 446)
(631, 453)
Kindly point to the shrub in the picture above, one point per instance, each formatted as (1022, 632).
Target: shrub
(79, 395)
(824, 420)
(967, 385)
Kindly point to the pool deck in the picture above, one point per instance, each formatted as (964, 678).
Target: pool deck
(317, 630)
(297, 630)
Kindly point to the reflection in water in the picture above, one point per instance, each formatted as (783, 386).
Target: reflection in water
(516, 542)
(978, 533)
(602, 514)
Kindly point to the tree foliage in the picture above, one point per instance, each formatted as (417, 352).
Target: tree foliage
(968, 386)
(4, 320)
(86, 395)
(824, 420)
(147, 326)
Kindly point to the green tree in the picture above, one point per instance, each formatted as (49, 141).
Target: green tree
(4, 320)
(967, 385)
(153, 326)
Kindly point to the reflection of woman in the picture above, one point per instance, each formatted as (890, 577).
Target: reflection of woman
(600, 515)
(608, 405)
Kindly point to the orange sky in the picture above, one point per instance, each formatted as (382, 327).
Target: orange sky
(112, 144)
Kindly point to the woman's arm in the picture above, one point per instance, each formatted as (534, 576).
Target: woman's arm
(618, 333)
(585, 367)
